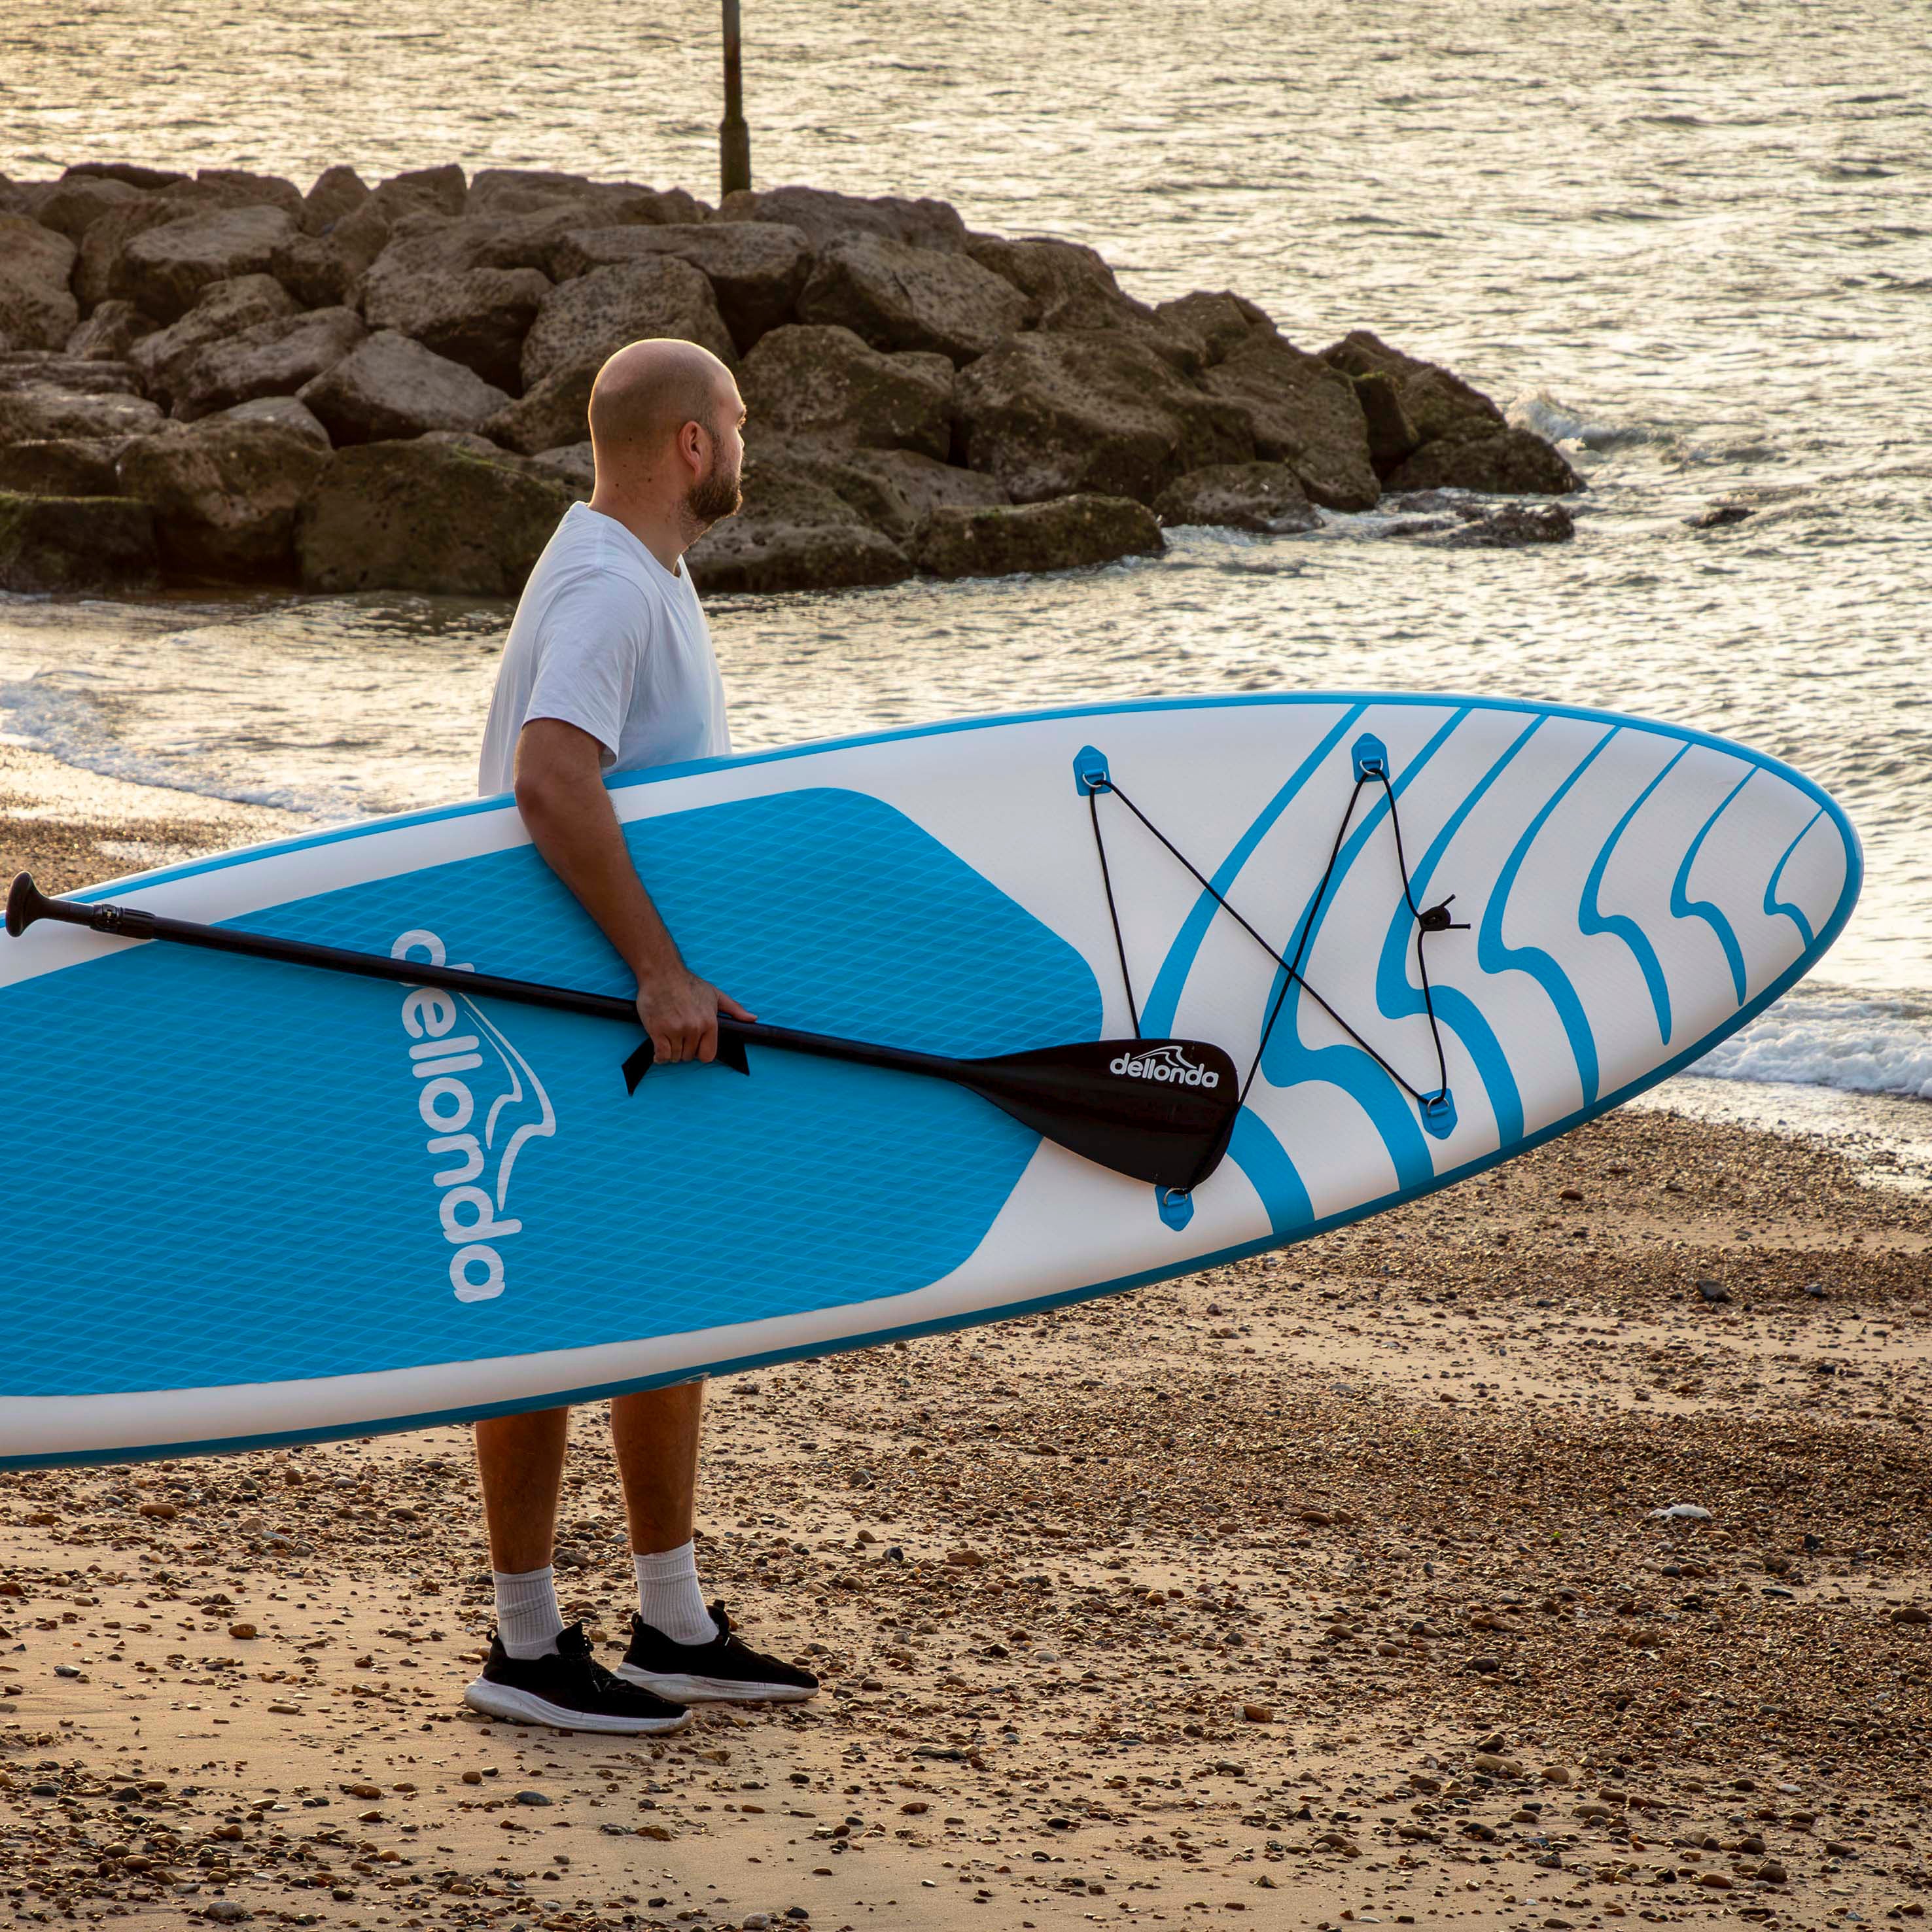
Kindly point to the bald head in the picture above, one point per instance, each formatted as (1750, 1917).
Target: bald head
(645, 394)
(666, 420)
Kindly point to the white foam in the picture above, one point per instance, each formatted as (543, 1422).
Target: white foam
(1827, 1036)
(1543, 415)
(40, 716)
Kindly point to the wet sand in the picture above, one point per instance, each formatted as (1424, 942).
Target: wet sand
(72, 828)
(1323, 1588)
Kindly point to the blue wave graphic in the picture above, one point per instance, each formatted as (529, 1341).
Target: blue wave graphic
(1773, 904)
(1399, 999)
(1496, 957)
(1288, 1060)
(1682, 907)
(1592, 920)
(1253, 1148)
(1163, 1000)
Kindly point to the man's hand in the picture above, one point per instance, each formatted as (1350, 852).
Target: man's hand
(679, 1011)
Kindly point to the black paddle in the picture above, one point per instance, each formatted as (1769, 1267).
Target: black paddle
(1160, 1110)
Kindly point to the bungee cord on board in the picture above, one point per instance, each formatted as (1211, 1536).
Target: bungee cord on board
(1429, 920)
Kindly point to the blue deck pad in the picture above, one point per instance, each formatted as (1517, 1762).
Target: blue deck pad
(283, 1166)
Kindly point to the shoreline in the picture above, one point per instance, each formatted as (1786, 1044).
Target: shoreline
(71, 827)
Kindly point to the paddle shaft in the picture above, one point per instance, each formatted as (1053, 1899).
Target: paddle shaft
(1159, 1111)
(25, 904)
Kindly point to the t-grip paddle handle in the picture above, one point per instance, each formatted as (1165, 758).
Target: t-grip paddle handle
(26, 903)
(23, 903)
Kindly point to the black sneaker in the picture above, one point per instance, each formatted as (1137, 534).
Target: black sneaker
(724, 1671)
(569, 1690)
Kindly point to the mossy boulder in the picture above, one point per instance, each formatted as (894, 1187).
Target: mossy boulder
(794, 531)
(1095, 412)
(424, 515)
(68, 544)
(1264, 497)
(224, 491)
(1062, 534)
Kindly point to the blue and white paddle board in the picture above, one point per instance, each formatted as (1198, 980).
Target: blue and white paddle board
(248, 1202)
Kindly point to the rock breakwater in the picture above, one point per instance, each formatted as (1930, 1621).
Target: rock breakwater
(221, 378)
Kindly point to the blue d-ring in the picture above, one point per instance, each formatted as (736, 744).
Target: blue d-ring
(1089, 772)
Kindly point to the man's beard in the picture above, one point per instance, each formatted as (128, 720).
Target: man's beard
(717, 496)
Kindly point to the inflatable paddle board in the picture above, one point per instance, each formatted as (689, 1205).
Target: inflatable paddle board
(250, 1201)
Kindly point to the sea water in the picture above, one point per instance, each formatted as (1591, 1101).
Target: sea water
(1691, 244)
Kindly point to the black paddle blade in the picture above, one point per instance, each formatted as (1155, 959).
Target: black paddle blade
(1159, 1110)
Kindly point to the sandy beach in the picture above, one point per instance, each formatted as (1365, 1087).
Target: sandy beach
(71, 828)
(1333, 1587)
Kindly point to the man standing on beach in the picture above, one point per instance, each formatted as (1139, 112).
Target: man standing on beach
(609, 668)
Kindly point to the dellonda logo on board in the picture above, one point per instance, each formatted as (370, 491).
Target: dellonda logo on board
(481, 1102)
(1166, 1063)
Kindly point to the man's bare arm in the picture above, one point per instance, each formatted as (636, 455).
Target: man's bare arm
(560, 792)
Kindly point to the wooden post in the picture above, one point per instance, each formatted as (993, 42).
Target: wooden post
(734, 138)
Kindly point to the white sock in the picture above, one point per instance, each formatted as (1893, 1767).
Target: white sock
(527, 1617)
(668, 1596)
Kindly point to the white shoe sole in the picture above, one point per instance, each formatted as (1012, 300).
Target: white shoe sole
(711, 1689)
(506, 1702)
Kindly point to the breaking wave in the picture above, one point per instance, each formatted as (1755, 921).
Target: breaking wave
(1543, 415)
(1829, 1037)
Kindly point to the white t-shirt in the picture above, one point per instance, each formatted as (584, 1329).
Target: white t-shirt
(606, 639)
